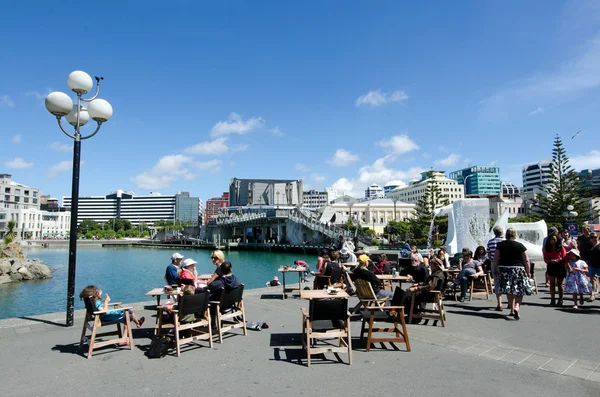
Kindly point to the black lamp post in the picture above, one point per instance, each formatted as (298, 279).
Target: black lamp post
(60, 105)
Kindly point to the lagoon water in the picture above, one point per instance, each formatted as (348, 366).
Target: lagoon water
(126, 274)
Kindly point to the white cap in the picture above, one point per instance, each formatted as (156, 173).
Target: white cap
(188, 262)
(176, 255)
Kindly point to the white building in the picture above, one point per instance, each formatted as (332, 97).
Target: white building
(17, 195)
(390, 186)
(374, 192)
(374, 214)
(332, 194)
(35, 223)
(415, 190)
(126, 205)
(514, 204)
(536, 175)
(314, 199)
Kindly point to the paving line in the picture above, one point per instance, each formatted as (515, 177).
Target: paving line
(500, 358)
(597, 366)
(525, 358)
(489, 350)
(477, 344)
(569, 366)
(541, 366)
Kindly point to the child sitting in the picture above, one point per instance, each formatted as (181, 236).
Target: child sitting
(95, 294)
(273, 283)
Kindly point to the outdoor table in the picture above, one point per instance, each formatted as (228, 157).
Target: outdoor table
(283, 271)
(350, 265)
(388, 279)
(322, 294)
(204, 277)
(158, 292)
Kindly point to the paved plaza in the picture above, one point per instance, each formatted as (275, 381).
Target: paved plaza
(549, 352)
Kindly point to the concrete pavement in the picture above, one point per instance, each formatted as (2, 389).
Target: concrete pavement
(480, 352)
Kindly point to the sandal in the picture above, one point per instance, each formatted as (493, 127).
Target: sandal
(575, 307)
(517, 315)
(499, 308)
(140, 322)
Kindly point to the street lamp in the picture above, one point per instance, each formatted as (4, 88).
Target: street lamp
(465, 182)
(60, 105)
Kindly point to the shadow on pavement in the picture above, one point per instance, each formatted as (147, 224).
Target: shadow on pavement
(480, 314)
(271, 296)
(39, 320)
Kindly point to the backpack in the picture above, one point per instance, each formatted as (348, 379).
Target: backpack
(159, 347)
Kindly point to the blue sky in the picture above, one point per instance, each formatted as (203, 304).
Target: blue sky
(337, 93)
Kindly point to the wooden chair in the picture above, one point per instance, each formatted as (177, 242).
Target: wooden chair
(230, 311)
(93, 323)
(436, 313)
(321, 281)
(326, 319)
(475, 289)
(377, 311)
(198, 329)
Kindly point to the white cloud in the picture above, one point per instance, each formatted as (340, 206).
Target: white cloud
(235, 125)
(318, 177)
(40, 96)
(56, 169)
(380, 172)
(277, 131)
(399, 144)
(536, 111)
(171, 168)
(217, 146)
(16, 139)
(60, 147)
(345, 186)
(5, 100)
(590, 160)
(452, 159)
(17, 163)
(239, 148)
(342, 158)
(377, 98)
(302, 167)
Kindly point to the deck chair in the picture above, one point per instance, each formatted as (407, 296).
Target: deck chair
(229, 311)
(326, 319)
(376, 311)
(197, 329)
(93, 323)
(436, 313)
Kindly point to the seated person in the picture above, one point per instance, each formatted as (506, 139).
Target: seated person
(469, 269)
(379, 267)
(347, 256)
(227, 281)
(418, 274)
(332, 269)
(95, 295)
(363, 273)
(273, 283)
(435, 282)
(188, 318)
(188, 275)
(172, 271)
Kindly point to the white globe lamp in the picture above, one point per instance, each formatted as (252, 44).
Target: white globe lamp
(83, 116)
(80, 82)
(59, 104)
(100, 110)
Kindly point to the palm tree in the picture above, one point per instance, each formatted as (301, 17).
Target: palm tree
(10, 232)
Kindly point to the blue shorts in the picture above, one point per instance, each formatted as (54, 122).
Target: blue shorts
(593, 271)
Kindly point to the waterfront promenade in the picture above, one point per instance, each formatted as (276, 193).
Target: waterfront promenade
(480, 352)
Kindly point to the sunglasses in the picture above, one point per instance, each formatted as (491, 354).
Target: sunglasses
(214, 257)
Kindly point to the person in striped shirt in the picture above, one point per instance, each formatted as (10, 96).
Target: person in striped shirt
(491, 251)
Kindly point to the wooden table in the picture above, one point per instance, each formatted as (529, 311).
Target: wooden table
(322, 294)
(158, 292)
(290, 269)
(388, 279)
(350, 265)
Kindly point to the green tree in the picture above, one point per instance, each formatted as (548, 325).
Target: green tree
(399, 228)
(10, 235)
(563, 189)
(524, 219)
(87, 225)
(432, 199)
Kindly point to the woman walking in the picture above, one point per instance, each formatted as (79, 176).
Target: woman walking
(511, 269)
(555, 258)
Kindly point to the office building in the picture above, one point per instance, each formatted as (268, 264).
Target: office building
(136, 209)
(314, 199)
(265, 192)
(186, 208)
(481, 181)
(591, 181)
(535, 176)
(214, 206)
(391, 185)
(508, 189)
(411, 194)
(374, 192)
(514, 205)
(16, 195)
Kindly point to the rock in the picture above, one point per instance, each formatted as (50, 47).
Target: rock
(16, 276)
(14, 268)
(39, 270)
(25, 273)
(4, 267)
(5, 278)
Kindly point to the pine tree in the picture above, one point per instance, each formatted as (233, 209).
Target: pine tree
(563, 188)
(432, 199)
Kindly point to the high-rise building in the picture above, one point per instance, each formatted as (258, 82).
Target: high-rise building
(186, 208)
(136, 209)
(535, 176)
(508, 189)
(374, 192)
(314, 199)
(481, 181)
(449, 188)
(261, 192)
(16, 195)
(591, 181)
(214, 206)
(391, 185)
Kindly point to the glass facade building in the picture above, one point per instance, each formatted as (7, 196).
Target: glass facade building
(482, 181)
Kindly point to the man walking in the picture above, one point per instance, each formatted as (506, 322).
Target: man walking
(594, 265)
(491, 251)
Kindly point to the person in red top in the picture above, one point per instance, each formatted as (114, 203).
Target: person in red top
(555, 258)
